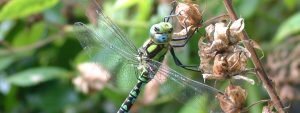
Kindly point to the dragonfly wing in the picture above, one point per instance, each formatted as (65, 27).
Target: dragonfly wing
(107, 45)
(127, 77)
(184, 89)
(93, 39)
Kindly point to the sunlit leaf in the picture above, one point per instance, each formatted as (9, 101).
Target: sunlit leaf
(4, 85)
(291, 4)
(29, 36)
(22, 8)
(5, 27)
(122, 4)
(188, 109)
(35, 76)
(246, 8)
(45, 99)
(5, 62)
(288, 28)
(254, 95)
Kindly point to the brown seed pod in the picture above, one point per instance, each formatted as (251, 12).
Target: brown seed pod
(229, 59)
(233, 100)
(205, 57)
(220, 37)
(189, 17)
(223, 35)
(237, 61)
(284, 68)
(188, 14)
(220, 67)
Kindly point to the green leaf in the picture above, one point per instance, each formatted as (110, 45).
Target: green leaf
(288, 28)
(246, 8)
(29, 36)
(23, 8)
(189, 106)
(123, 4)
(254, 94)
(290, 4)
(5, 62)
(5, 27)
(35, 76)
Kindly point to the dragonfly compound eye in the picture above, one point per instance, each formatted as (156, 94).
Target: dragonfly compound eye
(156, 28)
(161, 38)
(166, 27)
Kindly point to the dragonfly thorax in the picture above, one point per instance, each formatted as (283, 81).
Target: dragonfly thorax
(143, 59)
(161, 33)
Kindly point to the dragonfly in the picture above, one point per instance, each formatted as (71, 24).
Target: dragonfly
(145, 60)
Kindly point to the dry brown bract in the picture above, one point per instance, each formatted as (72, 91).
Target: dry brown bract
(221, 56)
(188, 16)
(233, 100)
(92, 78)
(284, 69)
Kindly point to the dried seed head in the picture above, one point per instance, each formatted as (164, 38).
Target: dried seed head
(210, 32)
(284, 69)
(220, 38)
(237, 27)
(92, 77)
(220, 67)
(223, 35)
(189, 14)
(229, 59)
(205, 56)
(237, 62)
(269, 108)
(295, 71)
(289, 93)
(233, 100)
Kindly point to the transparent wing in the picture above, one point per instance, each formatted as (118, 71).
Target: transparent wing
(126, 78)
(107, 45)
(107, 35)
(93, 41)
(184, 88)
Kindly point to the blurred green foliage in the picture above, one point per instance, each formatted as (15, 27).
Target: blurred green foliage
(39, 54)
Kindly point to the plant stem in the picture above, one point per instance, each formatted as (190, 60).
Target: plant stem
(260, 72)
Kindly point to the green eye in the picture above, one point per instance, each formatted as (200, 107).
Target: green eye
(166, 27)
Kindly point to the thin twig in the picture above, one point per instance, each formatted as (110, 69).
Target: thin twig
(259, 68)
(36, 45)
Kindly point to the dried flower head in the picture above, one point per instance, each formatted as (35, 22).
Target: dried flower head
(93, 77)
(221, 56)
(188, 17)
(269, 108)
(224, 35)
(284, 68)
(233, 100)
(188, 14)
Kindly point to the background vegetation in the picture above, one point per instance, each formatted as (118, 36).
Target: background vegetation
(39, 54)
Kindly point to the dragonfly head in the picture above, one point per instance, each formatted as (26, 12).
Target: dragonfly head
(161, 33)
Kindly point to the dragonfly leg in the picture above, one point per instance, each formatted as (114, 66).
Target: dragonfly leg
(174, 4)
(185, 38)
(178, 62)
(189, 32)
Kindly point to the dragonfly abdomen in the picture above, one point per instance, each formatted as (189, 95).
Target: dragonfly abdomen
(129, 101)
